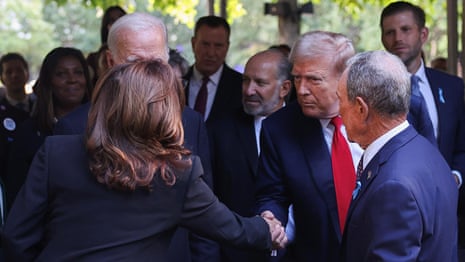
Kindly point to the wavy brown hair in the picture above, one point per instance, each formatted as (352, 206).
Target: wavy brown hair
(134, 131)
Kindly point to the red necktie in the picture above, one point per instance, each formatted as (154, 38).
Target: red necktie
(201, 100)
(343, 171)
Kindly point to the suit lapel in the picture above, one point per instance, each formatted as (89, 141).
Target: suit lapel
(222, 94)
(318, 159)
(438, 89)
(246, 133)
(371, 171)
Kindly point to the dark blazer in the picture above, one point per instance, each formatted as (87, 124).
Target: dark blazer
(234, 161)
(10, 120)
(234, 164)
(195, 139)
(448, 92)
(195, 134)
(406, 208)
(28, 140)
(62, 213)
(228, 97)
(295, 167)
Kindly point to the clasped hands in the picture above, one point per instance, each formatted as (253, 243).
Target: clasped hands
(277, 231)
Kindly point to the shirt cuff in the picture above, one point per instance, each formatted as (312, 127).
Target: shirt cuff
(458, 177)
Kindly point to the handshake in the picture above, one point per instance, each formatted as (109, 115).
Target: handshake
(277, 231)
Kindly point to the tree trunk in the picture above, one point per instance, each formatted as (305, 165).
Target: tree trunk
(289, 25)
(223, 13)
(211, 10)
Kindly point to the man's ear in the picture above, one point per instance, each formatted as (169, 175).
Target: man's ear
(109, 58)
(285, 88)
(362, 108)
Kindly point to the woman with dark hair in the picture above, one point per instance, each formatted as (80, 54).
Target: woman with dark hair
(111, 14)
(63, 85)
(95, 59)
(119, 192)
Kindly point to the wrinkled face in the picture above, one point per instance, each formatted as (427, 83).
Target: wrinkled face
(262, 92)
(14, 76)
(133, 46)
(316, 82)
(210, 46)
(402, 36)
(68, 82)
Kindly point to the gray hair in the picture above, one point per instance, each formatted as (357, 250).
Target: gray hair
(138, 22)
(381, 80)
(316, 44)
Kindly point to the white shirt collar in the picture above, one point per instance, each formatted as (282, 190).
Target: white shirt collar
(421, 74)
(214, 78)
(376, 145)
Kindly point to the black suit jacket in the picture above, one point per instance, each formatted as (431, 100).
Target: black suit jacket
(10, 120)
(195, 139)
(195, 134)
(228, 97)
(63, 214)
(234, 164)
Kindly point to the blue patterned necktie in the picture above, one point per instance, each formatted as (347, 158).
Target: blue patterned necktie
(418, 115)
(358, 184)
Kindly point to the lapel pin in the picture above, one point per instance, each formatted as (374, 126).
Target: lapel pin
(441, 96)
(369, 175)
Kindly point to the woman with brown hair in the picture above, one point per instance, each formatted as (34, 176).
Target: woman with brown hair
(119, 193)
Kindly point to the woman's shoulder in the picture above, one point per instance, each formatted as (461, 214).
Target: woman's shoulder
(65, 140)
(62, 146)
(191, 171)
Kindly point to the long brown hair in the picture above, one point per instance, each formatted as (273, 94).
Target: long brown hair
(134, 129)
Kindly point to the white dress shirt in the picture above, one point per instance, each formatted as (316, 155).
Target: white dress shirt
(194, 87)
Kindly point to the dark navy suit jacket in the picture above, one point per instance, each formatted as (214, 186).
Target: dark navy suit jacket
(406, 208)
(295, 167)
(234, 164)
(63, 214)
(195, 139)
(195, 134)
(448, 92)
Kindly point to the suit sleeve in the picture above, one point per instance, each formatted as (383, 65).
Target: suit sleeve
(394, 228)
(205, 215)
(24, 228)
(270, 187)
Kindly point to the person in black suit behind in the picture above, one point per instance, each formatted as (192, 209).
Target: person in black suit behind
(15, 105)
(134, 182)
(235, 140)
(140, 36)
(210, 45)
(403, 33)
